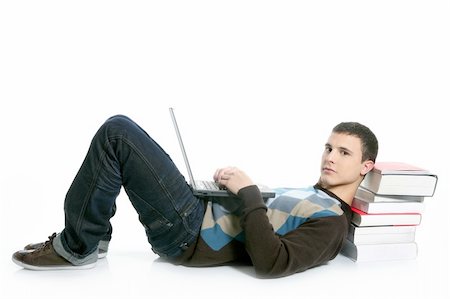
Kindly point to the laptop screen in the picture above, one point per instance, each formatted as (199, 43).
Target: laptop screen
(183, 151)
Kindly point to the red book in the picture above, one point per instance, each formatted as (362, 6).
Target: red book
(360, 218)
(398, 168)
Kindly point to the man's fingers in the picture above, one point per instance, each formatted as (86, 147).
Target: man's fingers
(223, 173)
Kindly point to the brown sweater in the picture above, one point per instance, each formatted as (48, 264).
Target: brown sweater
(313, 243)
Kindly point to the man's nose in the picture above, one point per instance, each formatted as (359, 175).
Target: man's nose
(331, 157)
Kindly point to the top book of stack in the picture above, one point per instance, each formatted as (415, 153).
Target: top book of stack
(396, 178)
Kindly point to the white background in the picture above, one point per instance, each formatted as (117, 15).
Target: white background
(256, 84)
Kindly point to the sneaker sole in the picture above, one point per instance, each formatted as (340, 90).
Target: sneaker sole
(49, 268)
(101, 255)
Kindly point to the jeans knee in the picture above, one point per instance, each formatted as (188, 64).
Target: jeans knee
(118, 123)
(118, 119)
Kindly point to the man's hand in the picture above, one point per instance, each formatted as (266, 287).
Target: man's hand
(232, 178)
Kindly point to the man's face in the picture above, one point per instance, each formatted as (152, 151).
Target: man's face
(341, 161)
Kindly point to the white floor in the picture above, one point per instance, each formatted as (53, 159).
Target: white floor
(139, 275)
(132, 270)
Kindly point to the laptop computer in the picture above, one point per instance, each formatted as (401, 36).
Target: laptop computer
(208, 188)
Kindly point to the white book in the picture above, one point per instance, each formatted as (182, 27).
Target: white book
(379, 252)
(369, 196)
(388, 207)
(381, 234)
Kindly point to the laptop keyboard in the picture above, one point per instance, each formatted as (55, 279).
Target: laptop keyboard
(208, 185)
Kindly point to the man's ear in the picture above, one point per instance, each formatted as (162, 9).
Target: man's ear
(367, 166)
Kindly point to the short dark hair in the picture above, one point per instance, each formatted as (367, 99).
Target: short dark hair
(369, 142)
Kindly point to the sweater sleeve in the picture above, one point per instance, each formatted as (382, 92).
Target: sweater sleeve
(315, 242)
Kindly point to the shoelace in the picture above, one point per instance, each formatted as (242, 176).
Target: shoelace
(49, 241)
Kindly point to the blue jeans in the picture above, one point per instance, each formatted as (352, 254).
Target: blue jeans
(123, 154)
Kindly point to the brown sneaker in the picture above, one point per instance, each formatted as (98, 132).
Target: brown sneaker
(45, 258)
(33, 246)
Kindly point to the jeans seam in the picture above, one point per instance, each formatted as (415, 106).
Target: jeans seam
(186, 213)
(88, 195)
(152, 170)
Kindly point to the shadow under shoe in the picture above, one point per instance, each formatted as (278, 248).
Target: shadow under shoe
(44, 257)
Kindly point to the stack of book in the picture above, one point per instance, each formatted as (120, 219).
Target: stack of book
(387, 209)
